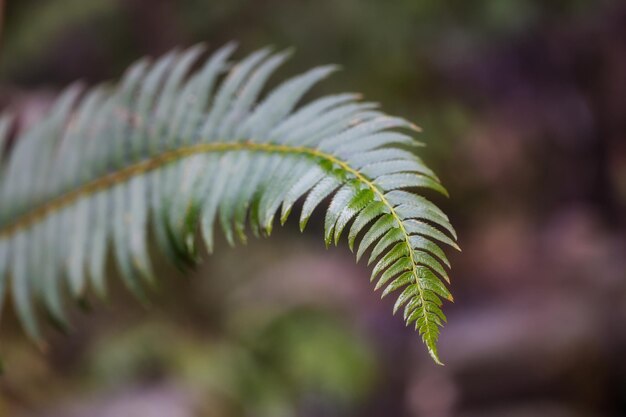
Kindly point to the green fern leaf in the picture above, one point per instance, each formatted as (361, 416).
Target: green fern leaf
(174, 152)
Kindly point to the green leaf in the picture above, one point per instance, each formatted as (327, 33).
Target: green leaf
(401, 265)
(173, 150)
(21, 288)
(369, 213)
(429, 281)
(420, 243)
(378, 169)
(361, 200)
(392, 236)
(409, 292)
(304, 184)
(380, 227)
(424, 229)
(408, 180)
(337, 206)
(404, 279)
(322, 190)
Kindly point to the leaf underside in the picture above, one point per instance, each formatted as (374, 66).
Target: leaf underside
(183, 145)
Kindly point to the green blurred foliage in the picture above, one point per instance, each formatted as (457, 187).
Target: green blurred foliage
(265, 370)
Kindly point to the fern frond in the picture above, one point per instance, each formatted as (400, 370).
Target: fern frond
(177, 150)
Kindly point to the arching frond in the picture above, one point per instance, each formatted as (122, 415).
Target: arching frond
(176, 150)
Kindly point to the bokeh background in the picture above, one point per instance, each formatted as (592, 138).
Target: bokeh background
(523, 105)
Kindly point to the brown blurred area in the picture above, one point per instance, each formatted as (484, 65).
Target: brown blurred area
(523, 106)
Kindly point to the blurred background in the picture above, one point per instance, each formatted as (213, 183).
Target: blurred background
(523, 105)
